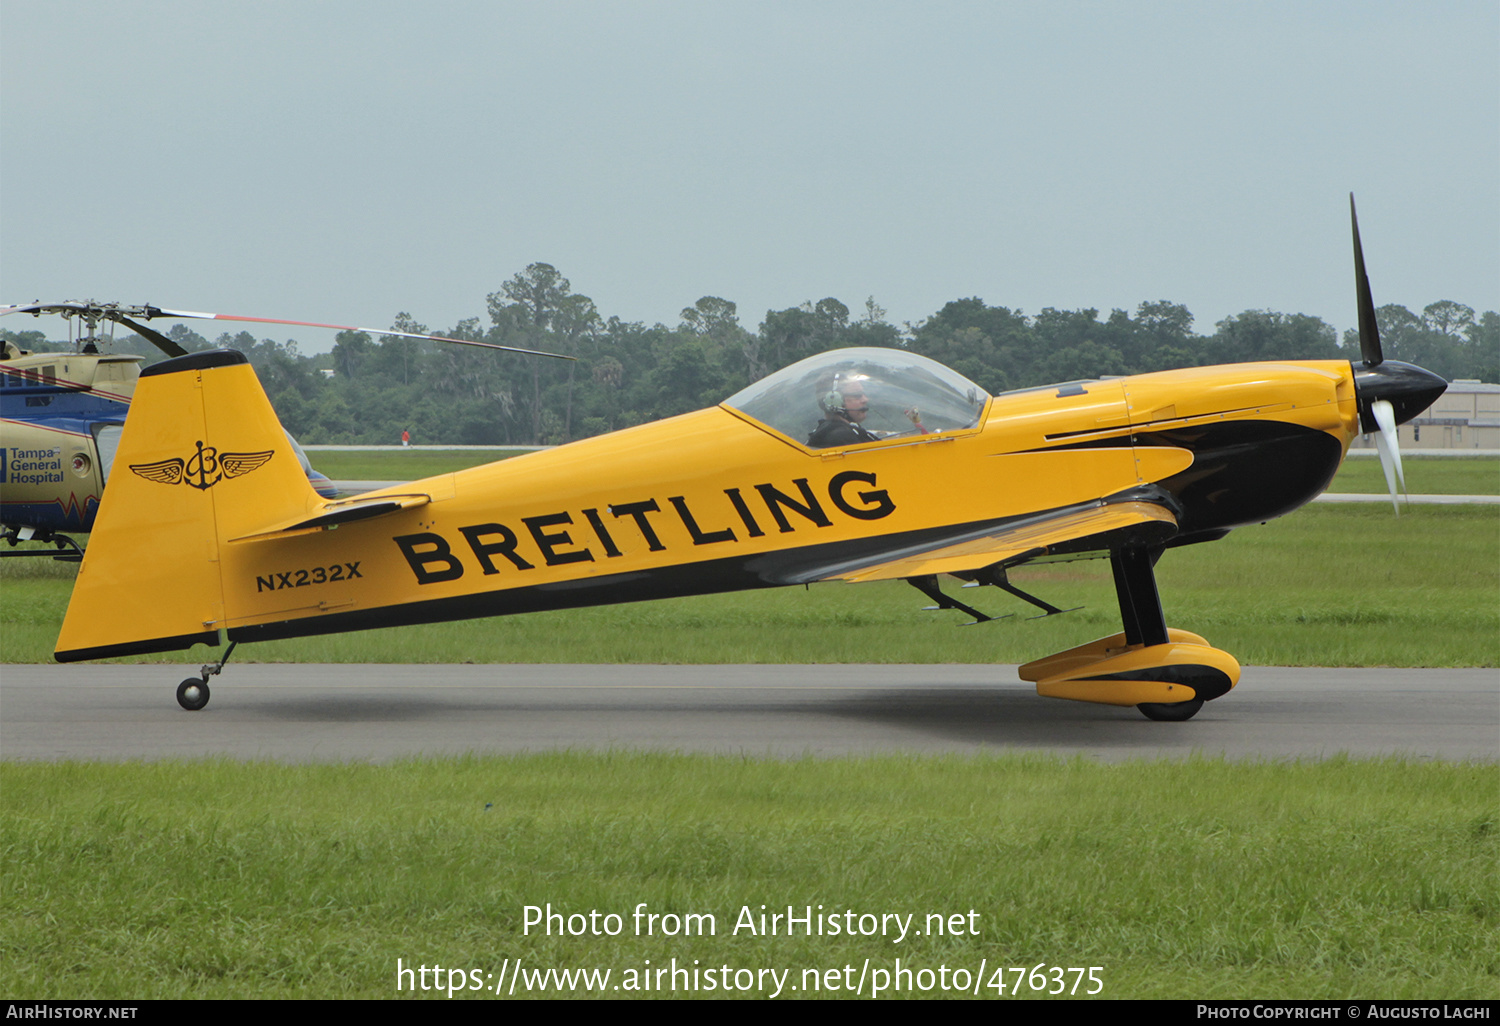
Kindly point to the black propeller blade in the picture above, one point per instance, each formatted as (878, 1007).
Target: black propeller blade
(1388, 394)
(1369, 332)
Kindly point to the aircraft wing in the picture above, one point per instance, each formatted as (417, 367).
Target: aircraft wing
(1098, 526)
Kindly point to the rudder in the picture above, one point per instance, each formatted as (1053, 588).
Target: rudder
(202, 459)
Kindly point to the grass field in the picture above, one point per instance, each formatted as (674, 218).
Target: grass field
(1425, 475)
(1331, 585)
(1337, 879)
(1199, 879)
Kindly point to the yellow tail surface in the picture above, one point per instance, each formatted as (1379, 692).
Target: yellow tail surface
(203, 459)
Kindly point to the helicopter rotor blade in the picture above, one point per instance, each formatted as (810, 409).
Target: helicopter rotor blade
(116, 312)
(158, 312)
(153, 336)
(67, 308)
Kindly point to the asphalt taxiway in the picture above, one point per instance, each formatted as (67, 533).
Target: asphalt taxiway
(364, 713)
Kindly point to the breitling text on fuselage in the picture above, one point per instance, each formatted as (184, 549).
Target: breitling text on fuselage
(596, 533)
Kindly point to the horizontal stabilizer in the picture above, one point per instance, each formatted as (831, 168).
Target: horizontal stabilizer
(346, 512)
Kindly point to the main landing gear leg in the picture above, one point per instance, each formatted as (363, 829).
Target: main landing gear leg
(1166, 674)
(192, 694)
(1140, 610)
(1135, 587)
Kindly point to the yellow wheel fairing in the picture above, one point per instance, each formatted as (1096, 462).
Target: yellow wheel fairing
(1155, 674)
(1060, 663)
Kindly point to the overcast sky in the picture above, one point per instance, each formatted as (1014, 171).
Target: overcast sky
(344, 161)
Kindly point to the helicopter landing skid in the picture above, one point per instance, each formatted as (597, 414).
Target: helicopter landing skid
(68, 550)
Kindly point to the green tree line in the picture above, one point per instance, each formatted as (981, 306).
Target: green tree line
(369, 389)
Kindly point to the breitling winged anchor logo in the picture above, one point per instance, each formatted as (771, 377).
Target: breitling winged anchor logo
(204, 469)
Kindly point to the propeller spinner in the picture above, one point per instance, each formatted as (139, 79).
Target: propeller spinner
(1389, 392)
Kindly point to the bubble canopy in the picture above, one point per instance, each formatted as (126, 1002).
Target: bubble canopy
(795, 399)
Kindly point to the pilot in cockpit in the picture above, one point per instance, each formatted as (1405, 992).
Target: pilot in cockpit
(845, 407)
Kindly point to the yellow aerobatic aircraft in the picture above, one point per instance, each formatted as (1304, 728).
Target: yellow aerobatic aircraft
(852, 465)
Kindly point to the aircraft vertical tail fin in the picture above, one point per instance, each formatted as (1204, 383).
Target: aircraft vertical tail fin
(203, 458)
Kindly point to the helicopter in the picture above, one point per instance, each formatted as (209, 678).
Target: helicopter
(61, 416)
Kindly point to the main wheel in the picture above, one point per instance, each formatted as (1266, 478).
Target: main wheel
(192, 694)
(1170, 712)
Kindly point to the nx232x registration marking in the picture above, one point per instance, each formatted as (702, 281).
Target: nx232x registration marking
(303, 578)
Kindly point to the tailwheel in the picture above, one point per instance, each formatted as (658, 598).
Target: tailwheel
(192, 694)
(1174, 712)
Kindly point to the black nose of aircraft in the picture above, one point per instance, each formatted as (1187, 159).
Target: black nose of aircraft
(1408, 388)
